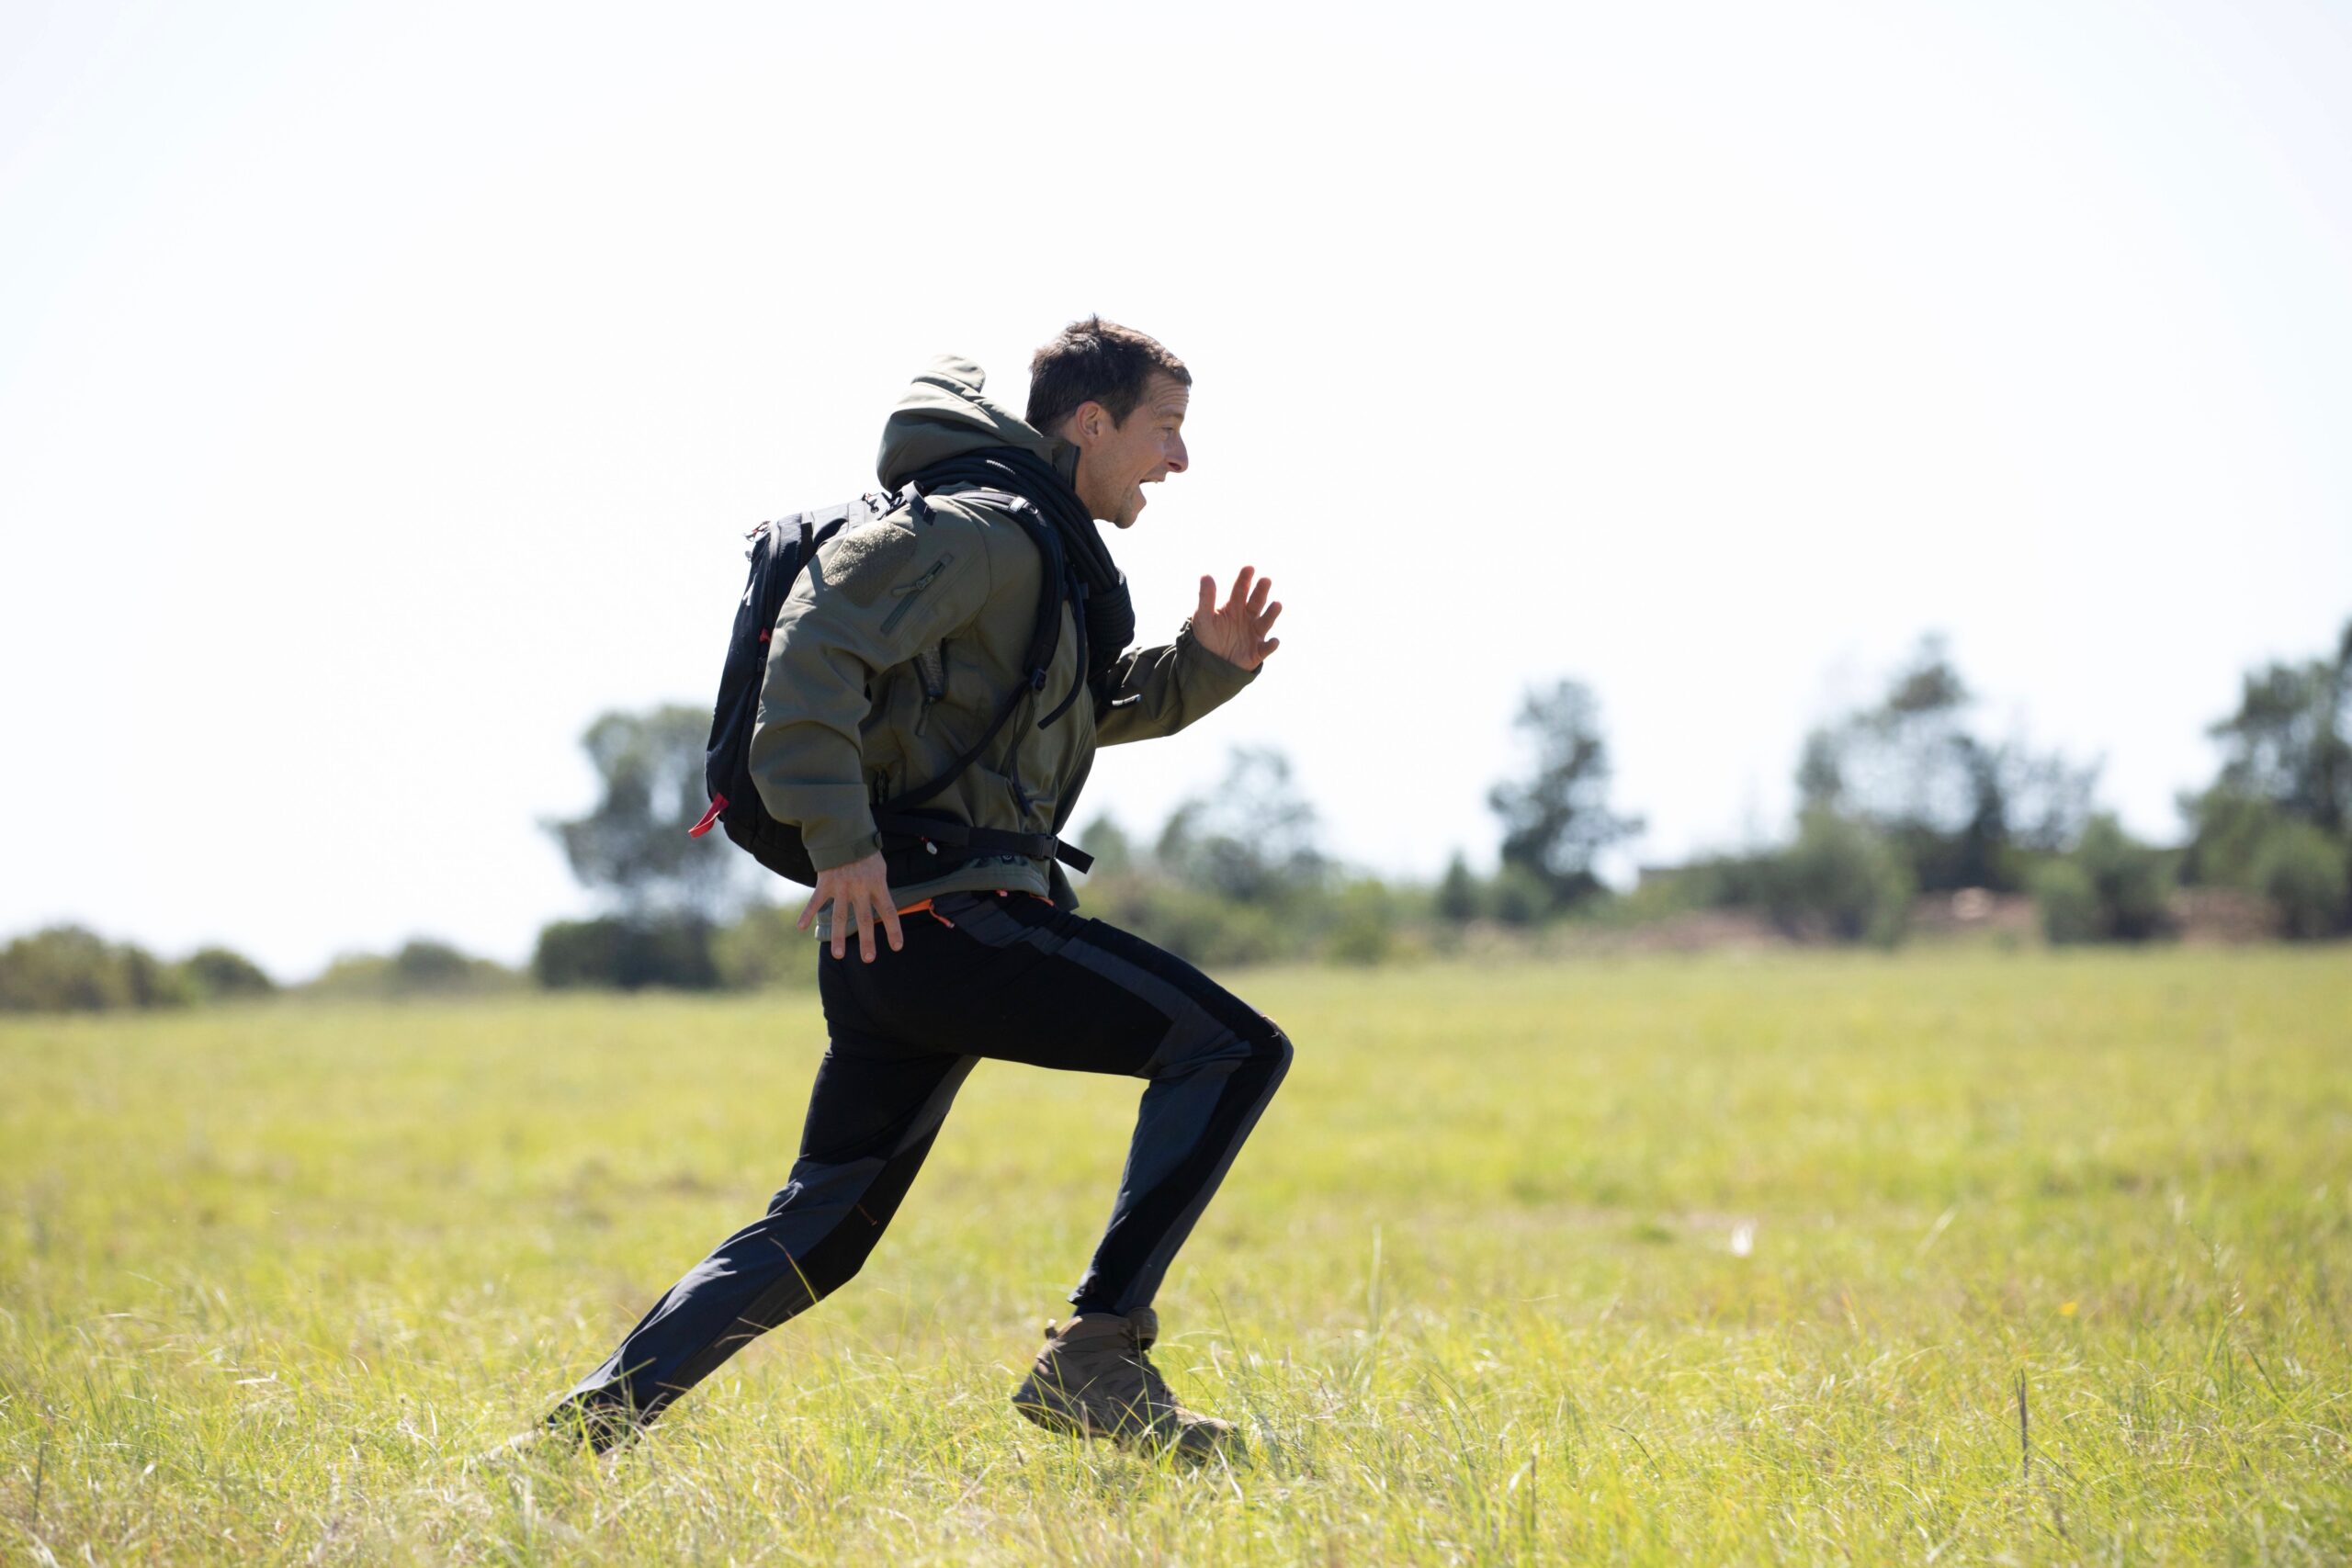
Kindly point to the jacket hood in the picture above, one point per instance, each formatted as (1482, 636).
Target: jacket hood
(945, 414)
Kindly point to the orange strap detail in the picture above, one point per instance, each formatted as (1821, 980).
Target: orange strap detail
(925, 907)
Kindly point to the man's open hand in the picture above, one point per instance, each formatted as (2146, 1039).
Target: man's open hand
(1235, 630)
(860, 895)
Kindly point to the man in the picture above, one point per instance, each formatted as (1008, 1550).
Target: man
(895, 651)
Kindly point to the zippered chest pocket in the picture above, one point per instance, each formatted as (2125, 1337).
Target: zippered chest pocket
(908, 593)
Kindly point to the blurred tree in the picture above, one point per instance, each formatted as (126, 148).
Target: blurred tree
(1518, 897)
(71, 969)
(1363, 932)
(1251, 838)
(1114, 852)
(216, 974)
(2277, 819)
(2227, 835)
(2290, 741)
(424, 964)
(2111, 889)
(1841, 880)
(1957, 808)
(2300, 870)
(633, 847)
(764, 947)
(421, 967)
(628, 953)
(1558, 823)
(1457, 892)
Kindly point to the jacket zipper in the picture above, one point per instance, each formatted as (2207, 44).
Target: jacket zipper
(930, 670)
(1024, 723)
(912, 592)
(931, 667)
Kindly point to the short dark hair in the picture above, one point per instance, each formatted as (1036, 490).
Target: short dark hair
(1095, 361)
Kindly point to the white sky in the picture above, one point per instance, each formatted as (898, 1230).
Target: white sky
(384, 390)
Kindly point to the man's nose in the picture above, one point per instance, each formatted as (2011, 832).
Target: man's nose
(1178, 459)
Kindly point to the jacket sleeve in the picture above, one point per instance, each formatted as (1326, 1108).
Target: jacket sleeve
(1154, 691)
(873, 597)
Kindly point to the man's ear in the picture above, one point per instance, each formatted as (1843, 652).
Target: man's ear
(1091, 422)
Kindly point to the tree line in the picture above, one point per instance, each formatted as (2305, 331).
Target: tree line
(1904, 799)
(1907, 797)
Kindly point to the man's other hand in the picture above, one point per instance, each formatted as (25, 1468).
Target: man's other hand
(1235, 630)
(860, 895)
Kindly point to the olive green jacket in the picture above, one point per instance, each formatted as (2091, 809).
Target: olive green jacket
(901, 642)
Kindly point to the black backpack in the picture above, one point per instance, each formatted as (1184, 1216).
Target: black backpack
(917, 844)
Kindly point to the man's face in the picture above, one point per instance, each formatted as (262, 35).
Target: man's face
(1115, 462)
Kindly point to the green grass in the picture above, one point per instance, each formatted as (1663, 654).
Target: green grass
(1657, 1261)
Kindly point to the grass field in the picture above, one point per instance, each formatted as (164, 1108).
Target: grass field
(1658, 1261)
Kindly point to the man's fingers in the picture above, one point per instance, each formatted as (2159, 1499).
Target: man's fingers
(1241, 582)
(1268, 651)
(1273, 613)
(1258, 600)
(880, 917)
(828, 892)
(869, 938)
(859, 895)
(1208, 600)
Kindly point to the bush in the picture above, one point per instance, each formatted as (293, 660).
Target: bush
(674, 952)
(1458, 895)
(2300, 870)
(423, 967)
(1719, 882)
(1195, 924)
(69, 969)
(1518, 897)
(1662, 893)
(1114, 854)
(765, 948)
(216, 974)
(2068, 903)
(1839, 880)
(1365, 931)
(2111, 889)
(2231, 830)
(354, 975)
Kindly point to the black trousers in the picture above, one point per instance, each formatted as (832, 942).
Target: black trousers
(987, 976)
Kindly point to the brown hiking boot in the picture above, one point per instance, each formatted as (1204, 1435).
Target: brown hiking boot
(1094, 1378)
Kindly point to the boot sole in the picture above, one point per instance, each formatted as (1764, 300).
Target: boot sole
(1149, 1441)
(1053, 1418)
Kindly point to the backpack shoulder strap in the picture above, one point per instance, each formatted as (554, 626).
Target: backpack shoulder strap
(1044, 637)
(1054, 579)
(894, 815)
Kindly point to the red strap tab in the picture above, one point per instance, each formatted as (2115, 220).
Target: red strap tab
(717, 804)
